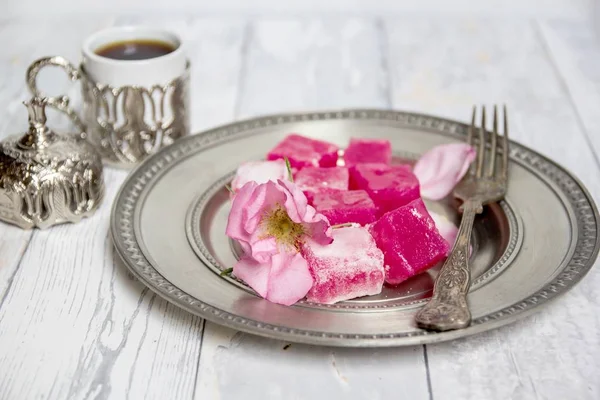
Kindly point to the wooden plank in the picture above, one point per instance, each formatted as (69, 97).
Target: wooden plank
(573, 49)
(297, 65)
(248, 366)
(294, 65)
(444, 67)
(313, 8)
(75, 324)
(13, 241)
(23, 42)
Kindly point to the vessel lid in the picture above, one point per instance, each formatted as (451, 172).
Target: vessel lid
(48, 178)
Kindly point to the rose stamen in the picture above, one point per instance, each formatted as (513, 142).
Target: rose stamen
(278, 224)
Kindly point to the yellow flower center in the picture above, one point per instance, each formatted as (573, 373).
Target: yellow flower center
(278, 224)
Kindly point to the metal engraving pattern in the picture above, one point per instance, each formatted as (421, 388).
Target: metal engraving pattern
(46, 178)
(130, 197)
(448, 307)
(127, 123)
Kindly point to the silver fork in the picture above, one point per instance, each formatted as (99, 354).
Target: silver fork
(485, 183)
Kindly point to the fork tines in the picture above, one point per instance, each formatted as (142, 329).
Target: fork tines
(478, 168)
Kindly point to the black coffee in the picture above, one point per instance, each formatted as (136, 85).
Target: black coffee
(139, 49)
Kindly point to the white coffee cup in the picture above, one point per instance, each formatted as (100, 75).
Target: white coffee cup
(131, 108)
(146, 72)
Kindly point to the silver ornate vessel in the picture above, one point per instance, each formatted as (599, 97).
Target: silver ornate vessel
(124, 123)
(128, 123)
(47, 178)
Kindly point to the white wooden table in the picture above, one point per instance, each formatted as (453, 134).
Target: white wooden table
(75, 324)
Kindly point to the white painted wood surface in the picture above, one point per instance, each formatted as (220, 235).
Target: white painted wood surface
(513, 8)
(452, 66)
(75, 324)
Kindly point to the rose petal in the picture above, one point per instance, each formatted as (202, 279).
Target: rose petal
(247, 209)
(238, 215)
(255, 274)
(296, 204)
(295, 201)
(289, 280)
(285, 279)
(252, 202)
(263, 250)
(264, 198)
(276, 275)
(320, 229)
(441, 168)
(446, 228)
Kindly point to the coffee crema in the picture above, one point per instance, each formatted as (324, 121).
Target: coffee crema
(138, 49)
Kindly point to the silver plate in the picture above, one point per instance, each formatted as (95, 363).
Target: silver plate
(168, 225)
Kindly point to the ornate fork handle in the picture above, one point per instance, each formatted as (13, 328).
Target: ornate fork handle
(448, 307)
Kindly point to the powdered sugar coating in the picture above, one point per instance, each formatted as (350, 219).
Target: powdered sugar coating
(368, 151)
(259, 172)
(317, 179)
(343, 207)
(303, 152)
(409, 240)
(350, 267)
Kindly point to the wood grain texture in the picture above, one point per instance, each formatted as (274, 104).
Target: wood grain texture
(20, 48)
(75, 324)
(293, 65)
(444, 67)
(13, 240)
(574, 50)
(23, 42)
(311, 8)
(249, 366)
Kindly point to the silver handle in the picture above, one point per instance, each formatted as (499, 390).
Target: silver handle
(448, 307)
(60, 103)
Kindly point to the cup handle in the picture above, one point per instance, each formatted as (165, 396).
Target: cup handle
(60, 103)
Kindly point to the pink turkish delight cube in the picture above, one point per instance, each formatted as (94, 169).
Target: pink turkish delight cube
(409, 240)
(350, 267)
(390, 187)
(317, 179)
(343, 207)
(368, 151)
(305, 152)
(259, 172)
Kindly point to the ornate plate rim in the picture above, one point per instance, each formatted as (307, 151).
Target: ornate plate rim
(123, 213)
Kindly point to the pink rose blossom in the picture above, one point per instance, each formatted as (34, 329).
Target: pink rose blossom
(270, 221)
(441, 168)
